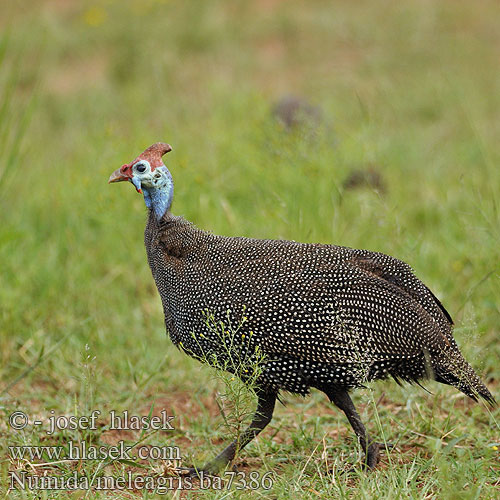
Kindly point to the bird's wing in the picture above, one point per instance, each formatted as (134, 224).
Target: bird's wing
(346, 315)
(401, 275)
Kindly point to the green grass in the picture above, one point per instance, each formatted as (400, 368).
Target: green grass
(410, 88)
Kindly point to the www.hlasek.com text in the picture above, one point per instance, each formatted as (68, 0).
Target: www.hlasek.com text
(82, 451)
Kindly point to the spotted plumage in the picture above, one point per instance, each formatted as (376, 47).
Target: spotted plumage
(323, 316)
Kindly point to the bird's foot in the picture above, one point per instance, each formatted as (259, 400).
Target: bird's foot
(371, 458)
(210, 469)
(373, 453)
(193, 472)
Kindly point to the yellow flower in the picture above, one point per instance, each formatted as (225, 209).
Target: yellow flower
(95, 16)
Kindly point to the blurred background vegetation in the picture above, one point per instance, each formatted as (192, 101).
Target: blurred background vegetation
(393, 146)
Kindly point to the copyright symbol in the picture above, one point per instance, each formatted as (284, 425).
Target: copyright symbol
(18, 420)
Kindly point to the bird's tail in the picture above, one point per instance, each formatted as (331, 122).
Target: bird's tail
(451, 368)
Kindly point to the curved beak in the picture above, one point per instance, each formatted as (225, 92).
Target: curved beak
(118, 176)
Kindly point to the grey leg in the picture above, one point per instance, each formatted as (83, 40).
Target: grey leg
(342, 399)
(262, 417)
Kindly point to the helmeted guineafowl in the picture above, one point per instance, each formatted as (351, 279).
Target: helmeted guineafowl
(323, 316)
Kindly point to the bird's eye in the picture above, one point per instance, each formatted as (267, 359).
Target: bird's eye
(141, 168)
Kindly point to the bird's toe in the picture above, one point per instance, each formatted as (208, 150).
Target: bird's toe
(193, 472)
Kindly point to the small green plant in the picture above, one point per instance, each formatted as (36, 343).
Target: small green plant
(238, 363)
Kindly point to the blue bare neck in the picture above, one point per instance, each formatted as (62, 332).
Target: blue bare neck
(158, 193)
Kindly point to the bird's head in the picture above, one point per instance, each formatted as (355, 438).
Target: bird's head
(150, 177)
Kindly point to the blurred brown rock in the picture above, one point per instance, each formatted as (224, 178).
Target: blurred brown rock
(296, 112)
(367, 177)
